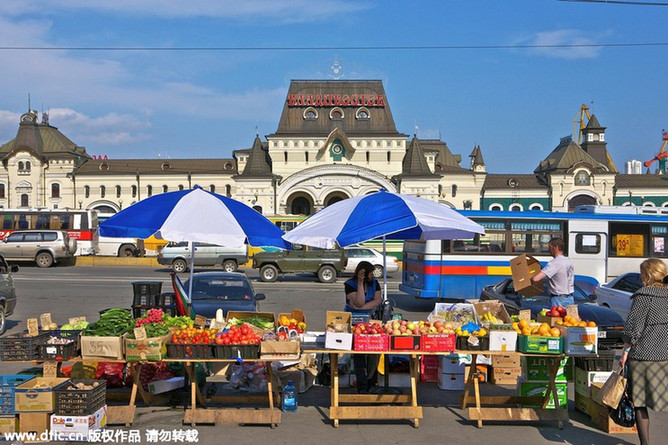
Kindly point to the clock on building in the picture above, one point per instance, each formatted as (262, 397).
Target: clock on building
(337, 151)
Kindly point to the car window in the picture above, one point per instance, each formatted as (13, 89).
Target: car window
(50, 236)
(367, 253)
(15, 238)
(353, 253)
(629, 283)
(32, 237)
(221, 289)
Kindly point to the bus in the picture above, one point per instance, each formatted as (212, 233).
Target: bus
(601, 242)
(126, 247)
(81, 225)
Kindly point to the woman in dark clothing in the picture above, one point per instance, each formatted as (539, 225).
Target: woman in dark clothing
(362, 297)
(646, 348)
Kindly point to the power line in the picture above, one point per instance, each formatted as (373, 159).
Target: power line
(328, 48)
(618, 2)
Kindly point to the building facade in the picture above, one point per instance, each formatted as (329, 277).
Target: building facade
(334, 140)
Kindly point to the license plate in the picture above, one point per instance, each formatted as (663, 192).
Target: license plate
(602, 334)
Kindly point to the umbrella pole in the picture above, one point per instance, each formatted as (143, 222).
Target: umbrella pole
(384, 270)
(192, 270)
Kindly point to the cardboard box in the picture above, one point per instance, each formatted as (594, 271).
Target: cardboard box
(482, 373)
(339, 340)
(600, 416)
(594, 388)
(160, 386)
(9, 424)
(494, 307)
(37, 423)
(584, 379)
(538, 389)
(523, 268)
(30, 396)
(552, 321)
(78, 428)
(451, 382)
(149, 349)
(502, 341)
(583, 403)
(243, 315)
(290, 348)
(506, 361)
(100, 348)
(504, 376)
(535, 369)
(405, 342)
(580, 340)
(540, 344)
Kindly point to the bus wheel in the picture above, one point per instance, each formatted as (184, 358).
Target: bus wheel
(230, 266)
(179, 266)
(44, 259)
(126, 250)
(268, 273)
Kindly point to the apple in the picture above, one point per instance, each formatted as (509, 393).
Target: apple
(402, 328)
(396, 332)
(416, 331)
(358, 331)
(410, 326)
(544, 312)
(432, 330)
(438, 324)
(403, 322)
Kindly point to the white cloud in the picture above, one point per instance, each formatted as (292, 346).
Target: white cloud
(110, 129)
(563, 44)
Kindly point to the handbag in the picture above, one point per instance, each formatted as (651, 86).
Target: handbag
(625, 413)
(613, 389)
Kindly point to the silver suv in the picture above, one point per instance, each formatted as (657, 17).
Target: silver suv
(44, 247)
(7, 292)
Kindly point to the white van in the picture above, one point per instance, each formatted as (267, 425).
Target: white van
(177, 255)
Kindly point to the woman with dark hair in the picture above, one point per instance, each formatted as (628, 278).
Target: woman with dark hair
(646, 345)
(362, 297)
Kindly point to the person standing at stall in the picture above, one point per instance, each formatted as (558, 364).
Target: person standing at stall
(646, 345)
(560, 275)
(362, 297)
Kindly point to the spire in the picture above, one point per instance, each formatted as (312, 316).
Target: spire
(477, 162)
(259, 163)
(414, 162)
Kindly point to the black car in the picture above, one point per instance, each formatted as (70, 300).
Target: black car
(610, 324)
(222, 290)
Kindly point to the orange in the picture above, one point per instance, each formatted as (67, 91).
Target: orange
(591, 324)
(522, 324)
(544, 329)
(526, 331)
(559, 322)
(534, 330)
(554, 332)
(582, 324)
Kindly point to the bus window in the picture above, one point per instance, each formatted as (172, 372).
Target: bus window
(628, 239)
(658, 242)
(587, 243)
(66, 222)
(23, 222)
(7, 222)
(42, 222)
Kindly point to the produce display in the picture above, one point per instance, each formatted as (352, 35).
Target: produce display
(238, 335)
(562, 318)
(525, 327)
(292, 324)
(404, 327)
(112, 323)
(192, 335)
(259, 322)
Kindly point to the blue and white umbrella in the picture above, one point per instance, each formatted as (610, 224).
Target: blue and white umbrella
(382, 214)
(195, 216)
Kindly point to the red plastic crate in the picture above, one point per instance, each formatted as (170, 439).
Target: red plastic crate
(429, 375)
(437, 342)
(405, 342)
(375, 342)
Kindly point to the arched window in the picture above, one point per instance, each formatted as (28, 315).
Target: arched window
(212, 188)
(27, 165)
(515, 208)
(134, 191)
(55, 190)
(454, 190)
(180, 187)
(87, 191)
(103, 191)
(118, 191)
(165, 188)
(21, 167)
(582, 178)
(25, 202)
(2, 191)
(228, 190)
(496, 207)
(536, 207)
(149, 190)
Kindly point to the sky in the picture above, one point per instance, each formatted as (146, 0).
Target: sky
(198, 79)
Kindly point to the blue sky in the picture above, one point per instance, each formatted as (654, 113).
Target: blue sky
(515, 102)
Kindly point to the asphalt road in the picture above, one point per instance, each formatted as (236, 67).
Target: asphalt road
(80, 290)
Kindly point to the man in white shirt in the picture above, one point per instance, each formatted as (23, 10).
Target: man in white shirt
(560, 275)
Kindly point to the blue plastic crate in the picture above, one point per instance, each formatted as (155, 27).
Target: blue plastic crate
(7, 385)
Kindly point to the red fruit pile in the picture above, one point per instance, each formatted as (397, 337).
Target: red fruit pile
(238, 335)
(152, 316)
(368, 328)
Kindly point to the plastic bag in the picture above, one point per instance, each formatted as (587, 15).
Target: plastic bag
(624, 414)
(112, 372)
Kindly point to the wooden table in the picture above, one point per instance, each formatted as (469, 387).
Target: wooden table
(358, 404)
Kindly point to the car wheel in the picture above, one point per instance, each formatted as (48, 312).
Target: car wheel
(44, 259)
(126, 251)
(378, 271)
(3, 320)
(179, 266)
(230, 266)
(327, 274)
(268, 273)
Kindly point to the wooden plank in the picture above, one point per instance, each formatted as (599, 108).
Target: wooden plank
(232, 415)
(518, 414)
(374, 398)
(120, 415)
(250, 399)
(506, 400)
(375, 412)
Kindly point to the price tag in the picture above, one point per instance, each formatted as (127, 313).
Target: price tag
(473, 340)
(50, 369)
(75, 320)
(140, 333)
(33, 327)
(525, 314)
(572, 310)
(200, 321)
(45, 321)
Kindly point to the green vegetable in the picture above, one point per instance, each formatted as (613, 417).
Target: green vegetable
(259, 322)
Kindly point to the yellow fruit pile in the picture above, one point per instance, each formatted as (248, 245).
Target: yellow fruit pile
(523, 327)
(570, 321)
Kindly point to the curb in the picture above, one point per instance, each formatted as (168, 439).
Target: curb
(116, 261)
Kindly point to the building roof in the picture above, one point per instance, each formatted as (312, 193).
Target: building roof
(638, 181)
(445, 160)
(593, 122)
(259, 162)
(354, 97)
(476, 156)
(111, 167)
(414, 162)
(513, 181)
(567, 154)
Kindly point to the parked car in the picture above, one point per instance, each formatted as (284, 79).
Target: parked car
(222, 290)
(177, 256)
(7, 292)
(44, 247)
(610, 323)
(325, 263)
(357, 254)
(617, 293)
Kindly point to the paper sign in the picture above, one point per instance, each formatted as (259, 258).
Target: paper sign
(45, 320)
(572, 310)
(525, 314)
(33, 327)
(75, 320)
(200, 321)
(50, 369)
(140, 333)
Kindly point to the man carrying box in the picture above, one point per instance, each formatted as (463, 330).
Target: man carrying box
(560, 275)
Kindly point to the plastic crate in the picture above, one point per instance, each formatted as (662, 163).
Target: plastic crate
(64, 333)
(464, 345)
(226, 352)
(7, 385)
(189, 350)
(80, 402)
(60, 351)
(146, 293)
(604, 361)
(21, 347)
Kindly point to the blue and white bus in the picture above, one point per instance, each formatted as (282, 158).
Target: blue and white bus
(601, 242)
